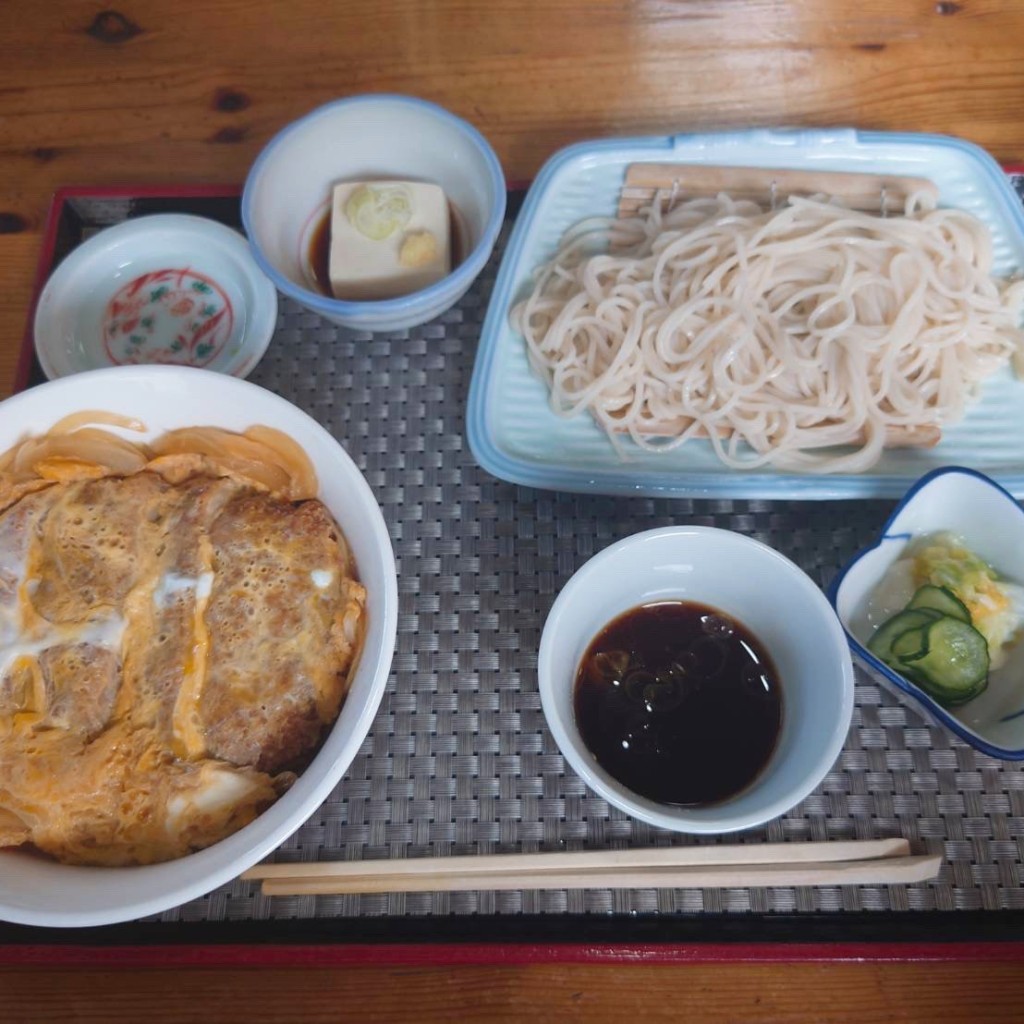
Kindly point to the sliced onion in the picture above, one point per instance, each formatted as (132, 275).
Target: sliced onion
(608, 666)
(293, 459)
(102, 449)
(90, 417)
(237, 455)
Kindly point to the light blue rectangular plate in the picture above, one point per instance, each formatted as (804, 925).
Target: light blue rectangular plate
(512, 431)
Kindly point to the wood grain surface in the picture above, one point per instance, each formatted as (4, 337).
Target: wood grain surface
(162, 91)
(709, 994)
(184, 91)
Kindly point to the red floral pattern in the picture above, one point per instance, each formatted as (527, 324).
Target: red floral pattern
(174, 315)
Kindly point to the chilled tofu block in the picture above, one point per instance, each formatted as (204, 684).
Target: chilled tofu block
(388, 238)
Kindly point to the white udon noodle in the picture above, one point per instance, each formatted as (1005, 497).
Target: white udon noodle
(771, 333)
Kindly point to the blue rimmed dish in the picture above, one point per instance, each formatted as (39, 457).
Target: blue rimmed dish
(991, 523)
(514, 433)
(288, 191)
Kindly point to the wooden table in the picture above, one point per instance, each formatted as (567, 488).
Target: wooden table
(189, 92)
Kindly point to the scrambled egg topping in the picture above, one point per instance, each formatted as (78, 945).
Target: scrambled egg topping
(169, 651)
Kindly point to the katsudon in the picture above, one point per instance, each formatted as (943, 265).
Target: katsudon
(177, 633)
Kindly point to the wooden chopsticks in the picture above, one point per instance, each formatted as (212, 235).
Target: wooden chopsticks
(854, 862)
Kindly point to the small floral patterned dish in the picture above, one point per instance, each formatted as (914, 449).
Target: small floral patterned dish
(168, 288)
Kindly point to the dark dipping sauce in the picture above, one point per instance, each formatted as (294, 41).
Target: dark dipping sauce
(679, 702)
(320, 247)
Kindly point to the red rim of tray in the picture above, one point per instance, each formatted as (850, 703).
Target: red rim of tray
(35, 947)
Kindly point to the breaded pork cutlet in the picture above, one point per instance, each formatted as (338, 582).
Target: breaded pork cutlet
(282, 620)
(170, 651)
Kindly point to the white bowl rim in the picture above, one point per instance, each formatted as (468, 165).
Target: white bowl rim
(935, 709)
(676, 818)
(255, 341)
(204, 881)
(464, 274)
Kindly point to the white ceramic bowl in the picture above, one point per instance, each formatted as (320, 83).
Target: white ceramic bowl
(991, 523)
(289, 188)
(764, 591)
(40, 892)
(168, 289)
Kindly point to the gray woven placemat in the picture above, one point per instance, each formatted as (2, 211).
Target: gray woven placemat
(459, 759)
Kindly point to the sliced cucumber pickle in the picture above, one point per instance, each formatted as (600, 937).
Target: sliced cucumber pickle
(942, 600)
(953, 668)
(880, 644)
(910, 645)
(933, 644)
